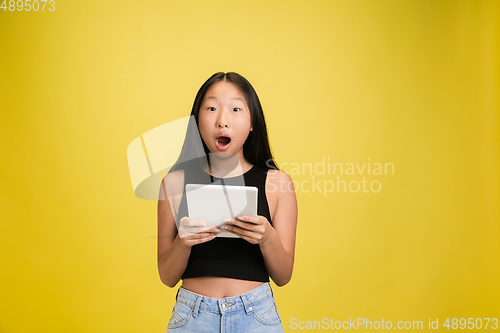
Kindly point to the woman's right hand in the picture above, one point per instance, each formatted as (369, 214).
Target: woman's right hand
(192, 232)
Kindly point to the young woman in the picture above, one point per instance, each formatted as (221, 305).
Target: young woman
(225, 281)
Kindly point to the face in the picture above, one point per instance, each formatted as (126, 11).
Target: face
(225, 112)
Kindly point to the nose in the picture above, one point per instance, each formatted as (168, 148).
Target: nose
(222, 121)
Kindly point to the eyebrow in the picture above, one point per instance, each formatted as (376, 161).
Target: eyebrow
(213, 97)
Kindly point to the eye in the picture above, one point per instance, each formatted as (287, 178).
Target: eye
(236, 109)
(211, 108)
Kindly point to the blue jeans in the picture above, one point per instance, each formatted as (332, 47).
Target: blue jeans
(253, 311)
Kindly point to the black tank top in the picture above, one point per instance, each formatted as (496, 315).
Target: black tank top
(222, 256)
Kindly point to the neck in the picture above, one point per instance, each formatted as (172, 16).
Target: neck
(227, 165)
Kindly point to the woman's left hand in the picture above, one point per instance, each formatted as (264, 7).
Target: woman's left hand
(254, 229)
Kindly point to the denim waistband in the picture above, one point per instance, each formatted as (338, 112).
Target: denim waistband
(227, 304)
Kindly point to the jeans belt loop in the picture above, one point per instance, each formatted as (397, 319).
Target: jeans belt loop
(197, 306)
(248, 308)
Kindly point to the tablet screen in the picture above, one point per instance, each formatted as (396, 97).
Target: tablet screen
(215, 203)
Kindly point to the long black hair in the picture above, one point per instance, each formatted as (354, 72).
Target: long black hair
(256, 148)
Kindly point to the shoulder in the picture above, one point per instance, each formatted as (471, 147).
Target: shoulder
(274, 174)
(174, 176)
(174, 180)
(279, 180)
(280, 189)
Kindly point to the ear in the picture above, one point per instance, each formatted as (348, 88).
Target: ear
(251, 128)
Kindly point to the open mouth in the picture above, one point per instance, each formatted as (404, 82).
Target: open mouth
(223, 142)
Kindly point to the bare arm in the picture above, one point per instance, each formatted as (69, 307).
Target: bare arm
(172, 257)
(277, 242)
(279, 249)
(174, 247)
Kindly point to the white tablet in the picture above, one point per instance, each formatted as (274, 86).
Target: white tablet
(215, 203)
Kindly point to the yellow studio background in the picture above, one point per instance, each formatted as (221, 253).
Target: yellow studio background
(414, 84)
